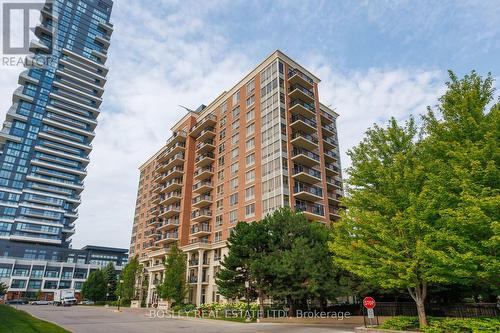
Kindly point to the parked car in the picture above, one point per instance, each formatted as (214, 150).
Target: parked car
(17, 301)
(41, 302)
(87, 302)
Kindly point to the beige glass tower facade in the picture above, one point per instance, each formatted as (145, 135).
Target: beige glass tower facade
(266, 143)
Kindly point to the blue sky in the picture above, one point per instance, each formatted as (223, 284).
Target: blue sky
(376, 59)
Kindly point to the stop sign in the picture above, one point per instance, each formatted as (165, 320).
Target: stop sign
(369, 302)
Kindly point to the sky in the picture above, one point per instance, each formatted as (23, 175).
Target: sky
(375, 59)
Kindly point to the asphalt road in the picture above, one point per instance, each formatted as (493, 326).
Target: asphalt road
(86, 319)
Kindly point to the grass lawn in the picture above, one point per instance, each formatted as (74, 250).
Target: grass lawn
(16, 321)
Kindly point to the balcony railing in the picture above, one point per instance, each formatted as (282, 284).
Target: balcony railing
(202, 183)
(309, 137)
(203, 197)
(201, 227)
(306, 78)
(308, 121)
(310, 154)
(177, 135)
(302, 89)
(199, 171)
(207, 155)
(316, 209)
(312, 172)
(201, 212)
(305, 105)
(314, 190)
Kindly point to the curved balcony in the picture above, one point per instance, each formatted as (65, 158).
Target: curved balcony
(301, 108)
(200, 230)
(310, 211)
(305, 157)
(301, 123)
(171, 197)
(327, 118)
(332, 169)
(205, 146)
(172, 185)
(334, 196)
(203, 186)
(204, 160)
(304, 140)
(330, 181)
(204, 173)
(207, 122)
(175, 172)
(174, 149)
(202, 201)
(297, 77)
(327, 130)
(305, 174)
(330, 143)
(330, 156)
(298, 92)
(179, 136)
(307, 192)
(169, 211)
(176, 160)
(168, 224)
(207, 134)
(201, 215)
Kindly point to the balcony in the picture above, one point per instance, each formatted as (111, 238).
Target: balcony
(298, 78)
(203, 186)
(204, 147)
(169, 211)
(177, 137)
(168, 224)
(332, 169)
(200, 230)
(171, 197)
(298, 92)
(176, 160)
(175, 172)
(207, 134)
(207, 122)
(155, 200)
(174, 149)
(307, 192)
(334, 196)
(311, 211)
(201, 215)
(305, 157)
(330, 143)
(301, 123)
(168, 237)
(334, 182)
(204, 160)
(330, 156)
(326, 117)
(202, 201)
(304, 109)
(193, 279)
(193, 262)
(304, 140)
(172, 185)
(334, 213)
(305, 174)
(328, 130)
(204, 173)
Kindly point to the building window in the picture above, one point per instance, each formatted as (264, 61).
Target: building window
(236, 98)
(223, 108)
(220, 175)
(218, 236)
(222, 122)
(220, 190)
(234, 168)
(221, 161)
(250, 144)
(250, 176)
(250, 159)
(233, 216)
(250, 210)
(250, 193)
(220, 204)
(218, 220)
(233, 183)
(250, 115)
(251, 87)
(236, 112)
(235, 125)
(222, 134)
(234, 139)
(234, 153)
(250, 101)
(250, 129)
(221, 147)
(233, 199)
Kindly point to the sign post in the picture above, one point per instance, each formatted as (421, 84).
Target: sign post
(369, 303)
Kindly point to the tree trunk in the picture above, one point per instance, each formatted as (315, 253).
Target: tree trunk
(261, 303)
(291, 307)
(419, 293)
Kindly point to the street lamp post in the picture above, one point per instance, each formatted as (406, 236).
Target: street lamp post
(107, 292)
(120, 296)
(247, 287)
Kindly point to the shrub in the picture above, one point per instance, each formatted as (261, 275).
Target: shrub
(445, 325)
(400, 323)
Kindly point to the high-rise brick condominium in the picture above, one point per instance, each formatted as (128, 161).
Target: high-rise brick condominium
(266, 143)
(45, 144)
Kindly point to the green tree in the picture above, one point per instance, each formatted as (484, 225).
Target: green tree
(417, 215)
(110, 275)
(3, 289)
(127, 289)
(94, 288)
(39, 295)
(173, 286)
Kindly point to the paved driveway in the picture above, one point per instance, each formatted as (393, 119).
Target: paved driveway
(83, 319)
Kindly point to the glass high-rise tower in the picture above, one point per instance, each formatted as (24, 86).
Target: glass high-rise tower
(46, 137)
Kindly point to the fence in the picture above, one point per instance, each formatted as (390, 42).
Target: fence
(462, 310)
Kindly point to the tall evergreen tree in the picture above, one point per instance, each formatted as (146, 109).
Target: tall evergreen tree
(173, 286)
(94, 288)
(110, 275)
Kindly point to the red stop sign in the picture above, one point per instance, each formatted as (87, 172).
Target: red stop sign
(369, 302)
